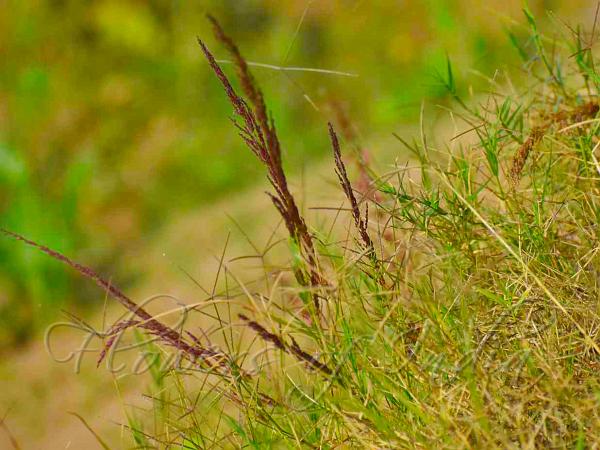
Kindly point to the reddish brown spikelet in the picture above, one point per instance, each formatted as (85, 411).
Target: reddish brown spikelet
(263, 333)
(302, 355)
(343, 123)
(260, 135)
(239, 105)
(113, 334)
(360, 222)
(88, 273)
(523, 152)
(249, 87)
(293, 349)
(562, 118)
(165, 333)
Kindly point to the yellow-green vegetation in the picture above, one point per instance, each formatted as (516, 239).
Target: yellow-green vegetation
(451, 303)
(110, 126)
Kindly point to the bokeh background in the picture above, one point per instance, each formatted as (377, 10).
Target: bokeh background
(112, 127)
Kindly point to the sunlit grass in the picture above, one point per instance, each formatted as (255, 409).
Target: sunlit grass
(460, 311)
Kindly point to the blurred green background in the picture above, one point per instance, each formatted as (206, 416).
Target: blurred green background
(111, 123)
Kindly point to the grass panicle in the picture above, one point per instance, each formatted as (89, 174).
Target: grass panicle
(168, 335)
(563, 118)
(260, 135)
(488, 335)
(279, 343)
(360, 221)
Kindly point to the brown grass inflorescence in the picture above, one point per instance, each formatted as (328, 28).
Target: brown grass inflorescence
(260, 135)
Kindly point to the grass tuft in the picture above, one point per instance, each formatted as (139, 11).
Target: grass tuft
(474, 325)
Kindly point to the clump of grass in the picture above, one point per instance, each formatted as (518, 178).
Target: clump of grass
(485, 331)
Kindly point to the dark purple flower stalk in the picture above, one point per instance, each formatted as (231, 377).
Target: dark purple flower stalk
(210, 358)
(260, 135)
(360, 221)
(293, 349)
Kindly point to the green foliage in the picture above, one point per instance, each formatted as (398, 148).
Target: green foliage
(472, 326)
(480, 330)
(110, 128)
